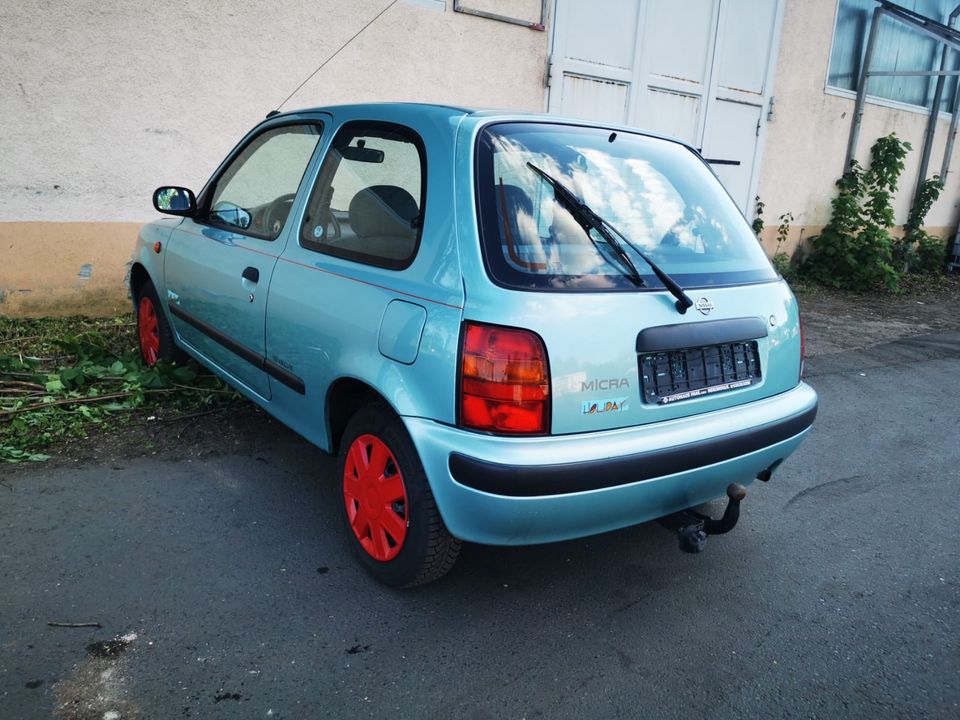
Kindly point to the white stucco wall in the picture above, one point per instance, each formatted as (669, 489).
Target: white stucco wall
(103, 100)
(807, 139)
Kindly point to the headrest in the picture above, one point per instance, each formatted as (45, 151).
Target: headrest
(383, 210)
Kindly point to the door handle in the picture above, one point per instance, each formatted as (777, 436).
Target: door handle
(251, 274)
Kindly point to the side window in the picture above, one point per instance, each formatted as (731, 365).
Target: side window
(368, 202)
(255, 193)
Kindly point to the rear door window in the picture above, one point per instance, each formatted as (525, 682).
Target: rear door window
(368, 202)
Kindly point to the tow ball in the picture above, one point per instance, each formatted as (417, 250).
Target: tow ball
(693, 527)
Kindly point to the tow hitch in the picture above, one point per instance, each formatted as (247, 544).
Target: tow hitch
(693, 527)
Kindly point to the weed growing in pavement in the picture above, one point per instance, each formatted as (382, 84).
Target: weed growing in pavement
(59, 377)
(781, 260)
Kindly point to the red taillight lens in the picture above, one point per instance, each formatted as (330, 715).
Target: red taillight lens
(504, 380)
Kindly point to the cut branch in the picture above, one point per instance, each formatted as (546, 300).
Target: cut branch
(22, 384)
(74, 401)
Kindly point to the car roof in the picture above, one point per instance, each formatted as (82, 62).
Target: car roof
(480, 116)
(361, 108)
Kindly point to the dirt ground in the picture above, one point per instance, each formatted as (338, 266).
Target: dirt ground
(835, 322)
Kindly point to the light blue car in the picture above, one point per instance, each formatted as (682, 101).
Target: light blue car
(510, 328)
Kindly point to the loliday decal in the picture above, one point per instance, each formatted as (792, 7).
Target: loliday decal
(595, 407)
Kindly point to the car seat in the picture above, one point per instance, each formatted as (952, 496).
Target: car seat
(385, 219)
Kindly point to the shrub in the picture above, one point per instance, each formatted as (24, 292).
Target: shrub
(855, 250)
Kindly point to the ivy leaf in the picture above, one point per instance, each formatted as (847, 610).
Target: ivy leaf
(54, 386)
(185, 374)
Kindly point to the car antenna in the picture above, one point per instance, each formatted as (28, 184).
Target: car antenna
(335, 53)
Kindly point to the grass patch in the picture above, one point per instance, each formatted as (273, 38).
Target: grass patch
(61, 377)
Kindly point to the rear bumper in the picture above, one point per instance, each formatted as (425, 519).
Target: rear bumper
(534, 480)
(515, 491)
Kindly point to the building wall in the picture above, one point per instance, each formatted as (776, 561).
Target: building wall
(102, 101)
(807, 138)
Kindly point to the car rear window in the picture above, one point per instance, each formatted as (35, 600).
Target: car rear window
(657, 193)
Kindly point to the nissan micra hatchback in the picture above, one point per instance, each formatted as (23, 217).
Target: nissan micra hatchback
(510, 329)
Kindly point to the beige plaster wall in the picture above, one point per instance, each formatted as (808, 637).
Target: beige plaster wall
(806, 141)
(57, 268)
(101, 101)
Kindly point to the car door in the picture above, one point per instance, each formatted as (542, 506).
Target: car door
(354, 293)
(219, 264)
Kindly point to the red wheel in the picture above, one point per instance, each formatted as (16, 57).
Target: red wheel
(147, 330)
(395, 526)
(375, 498)
(153, 331)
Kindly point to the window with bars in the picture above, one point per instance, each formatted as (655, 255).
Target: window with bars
(897, 47)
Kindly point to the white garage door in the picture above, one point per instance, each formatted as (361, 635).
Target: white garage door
(697, 70)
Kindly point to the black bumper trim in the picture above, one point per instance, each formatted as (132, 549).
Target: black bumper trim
(566, 478)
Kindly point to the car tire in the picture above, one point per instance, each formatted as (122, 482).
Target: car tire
(154, 336)
(388, 508)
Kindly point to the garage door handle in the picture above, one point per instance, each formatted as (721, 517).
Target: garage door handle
(251, 274)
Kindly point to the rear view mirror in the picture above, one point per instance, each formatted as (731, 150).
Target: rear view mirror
(362, 154)
(174, 200)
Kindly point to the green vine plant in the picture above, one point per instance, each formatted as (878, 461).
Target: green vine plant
(919, 251)
(757, 223)
(855, 251)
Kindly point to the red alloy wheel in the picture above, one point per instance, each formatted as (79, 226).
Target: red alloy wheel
(148, 330)
(375, 497)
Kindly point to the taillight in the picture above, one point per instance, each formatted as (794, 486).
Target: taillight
(504, 380)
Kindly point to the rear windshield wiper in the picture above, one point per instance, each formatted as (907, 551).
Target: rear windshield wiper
(590, 220)
(587, 218)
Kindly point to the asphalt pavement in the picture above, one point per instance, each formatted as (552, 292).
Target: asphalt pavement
(225, 588)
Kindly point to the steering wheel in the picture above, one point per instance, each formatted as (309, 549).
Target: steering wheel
(276, 214)
(325, 230)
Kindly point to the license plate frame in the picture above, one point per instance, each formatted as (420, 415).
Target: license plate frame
(670, 376)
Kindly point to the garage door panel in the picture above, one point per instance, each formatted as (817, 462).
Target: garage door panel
(671, 113)
(744, 41)
(594, 98)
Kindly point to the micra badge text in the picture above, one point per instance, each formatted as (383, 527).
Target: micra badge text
(594, 407)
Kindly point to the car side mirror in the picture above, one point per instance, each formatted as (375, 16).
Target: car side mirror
(173, 200)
